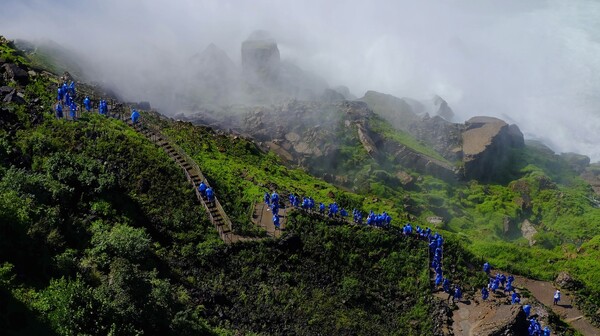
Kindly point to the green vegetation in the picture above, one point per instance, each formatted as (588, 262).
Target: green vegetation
(101, 234)
(384, 128)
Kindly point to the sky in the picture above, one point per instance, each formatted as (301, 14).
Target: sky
(534, 63)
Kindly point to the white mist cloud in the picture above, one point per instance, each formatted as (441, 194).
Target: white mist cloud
(534, 63)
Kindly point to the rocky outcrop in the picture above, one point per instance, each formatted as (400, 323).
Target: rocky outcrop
(413, 116)
(528, 231)
(577, 162)
(442, 108)
(592, 176)
(14, 97)
(13, 73)
(366, 140)
(344, 91)
(395, 110)
(260, 58)
(422, 163)
(331, 96)
(213, 78)
(565, 281)
(487, 148)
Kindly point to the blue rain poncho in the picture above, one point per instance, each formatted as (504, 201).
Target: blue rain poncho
(210, 194)
(135, 116)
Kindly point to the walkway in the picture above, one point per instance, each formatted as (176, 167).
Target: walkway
(263, 217)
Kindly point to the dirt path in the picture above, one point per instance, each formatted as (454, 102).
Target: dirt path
(473, 316)
(543, 291)
(263, 217)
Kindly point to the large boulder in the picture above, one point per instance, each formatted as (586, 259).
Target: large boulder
(566, 281)
(502, 320)
(12, 72)
(487, 148)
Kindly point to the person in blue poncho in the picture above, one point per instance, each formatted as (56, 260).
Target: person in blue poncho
(202, 188)
(135, 116)
(67, 99)
(59, 110)
(446, 286)
(527, 310)
(484, 293)
(87, 103)
(275, 198)
(547, 331)
(343, 213)
(267, 198)
(556, 297)
(103, 107)
(487, 268)
(457, 293)
(276, 221)
(438, 279)
(210, 195)
(73, 111)
(72, 88)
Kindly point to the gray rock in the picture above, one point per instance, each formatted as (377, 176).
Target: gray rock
(14, 97)
(4, 90)
(566, 281)
(528, 231)
(12, 72)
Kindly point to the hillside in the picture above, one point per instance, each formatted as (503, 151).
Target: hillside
(110, 238)
(102, 235)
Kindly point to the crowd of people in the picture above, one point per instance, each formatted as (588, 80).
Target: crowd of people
(67, 99)
(507, 284)
(436, 244)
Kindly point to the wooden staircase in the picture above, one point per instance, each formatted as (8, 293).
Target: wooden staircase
(216, 214)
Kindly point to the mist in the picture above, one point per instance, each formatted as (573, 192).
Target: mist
(533, 63)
